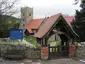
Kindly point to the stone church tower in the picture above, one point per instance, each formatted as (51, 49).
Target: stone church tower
(26, 16)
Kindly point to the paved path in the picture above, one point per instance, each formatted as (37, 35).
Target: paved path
(57, 61)
(64, 61)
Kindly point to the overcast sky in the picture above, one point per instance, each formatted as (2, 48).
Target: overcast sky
(44, 8)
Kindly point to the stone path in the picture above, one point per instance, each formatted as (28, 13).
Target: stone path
(57, 61)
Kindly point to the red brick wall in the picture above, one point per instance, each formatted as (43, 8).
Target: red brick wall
(72, 49)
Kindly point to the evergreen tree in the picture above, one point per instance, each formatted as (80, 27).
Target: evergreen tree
(7, 9)
(79, 23)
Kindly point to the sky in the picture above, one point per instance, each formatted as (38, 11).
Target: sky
(44, 8)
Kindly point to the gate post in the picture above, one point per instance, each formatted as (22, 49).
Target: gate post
(59, 53)
(44, 52)
(48, 51)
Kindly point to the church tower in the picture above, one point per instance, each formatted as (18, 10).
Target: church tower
(26, 16)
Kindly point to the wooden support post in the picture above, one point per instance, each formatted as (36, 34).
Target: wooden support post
(48, 51)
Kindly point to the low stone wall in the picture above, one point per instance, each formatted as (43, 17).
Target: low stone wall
(81, 50)
(32, 54)
(28, 52)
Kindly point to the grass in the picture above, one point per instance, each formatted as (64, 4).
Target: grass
(31, 40)
(58, 43)
(14, 41)
(9, 40)
(49, 42)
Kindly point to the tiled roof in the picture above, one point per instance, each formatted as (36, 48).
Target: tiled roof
(46, 27)
(34, 24)
(69, 19)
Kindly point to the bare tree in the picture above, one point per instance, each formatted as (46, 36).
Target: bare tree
(7, 7)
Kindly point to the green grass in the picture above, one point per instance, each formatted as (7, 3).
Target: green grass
(57, 44)
(31, 40)
(49, 42)
(12, 40)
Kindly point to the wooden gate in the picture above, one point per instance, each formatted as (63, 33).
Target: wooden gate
(57, 52)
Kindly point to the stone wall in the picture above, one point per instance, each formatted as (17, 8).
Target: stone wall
(29, 52)
(33, 54)
(81, 50)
